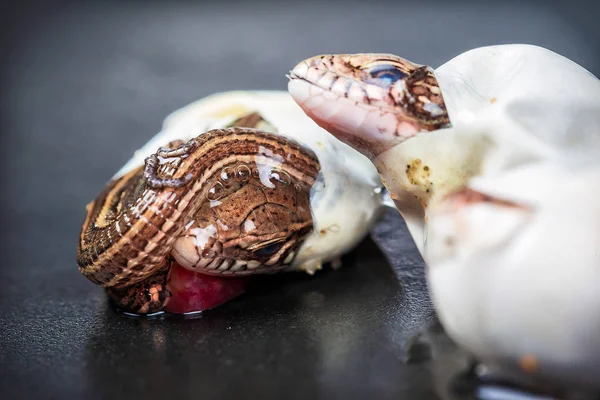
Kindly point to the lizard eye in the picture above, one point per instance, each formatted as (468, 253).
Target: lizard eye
(386, 75)
(268, 250)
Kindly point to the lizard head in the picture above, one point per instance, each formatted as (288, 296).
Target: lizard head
(370, 101)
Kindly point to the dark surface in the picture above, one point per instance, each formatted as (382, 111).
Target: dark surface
(83, 86)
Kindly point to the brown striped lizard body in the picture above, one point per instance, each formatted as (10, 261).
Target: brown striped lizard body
(229, 202)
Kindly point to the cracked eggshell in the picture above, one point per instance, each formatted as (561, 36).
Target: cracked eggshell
(514, 278)
(346, 199)
(543, 102)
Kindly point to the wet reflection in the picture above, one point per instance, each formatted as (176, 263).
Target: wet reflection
(468, 385)
(329, 334)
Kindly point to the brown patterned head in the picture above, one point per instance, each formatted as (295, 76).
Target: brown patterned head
(231, 201)
(369, 101)
(256, 216)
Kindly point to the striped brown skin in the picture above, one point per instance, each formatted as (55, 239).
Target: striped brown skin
(130, 228)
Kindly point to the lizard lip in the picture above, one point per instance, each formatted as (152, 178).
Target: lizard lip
(321, 76)
(293, 76)
(302, 71)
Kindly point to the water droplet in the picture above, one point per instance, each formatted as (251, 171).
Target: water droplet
(216, 191)
(243, 173)
(279, 177)
(227, 174)
(298, 188)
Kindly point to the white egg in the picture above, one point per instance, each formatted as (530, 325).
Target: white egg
(514, 274)
(513, 256)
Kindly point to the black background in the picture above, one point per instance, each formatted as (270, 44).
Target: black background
(84, 84)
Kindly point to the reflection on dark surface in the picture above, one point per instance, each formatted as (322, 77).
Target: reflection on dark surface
(476, 382)
(469, 385)
(329, 334)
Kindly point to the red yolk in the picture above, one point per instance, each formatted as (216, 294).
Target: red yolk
(191, 291)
